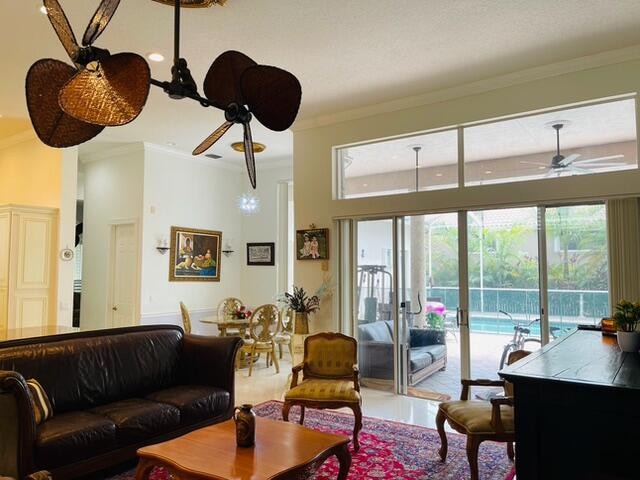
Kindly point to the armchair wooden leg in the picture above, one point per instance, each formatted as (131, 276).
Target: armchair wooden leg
(252, 356)
(472, 455)
(301, 414)
(510, 452)
(444, 446)
(357, 413)
(285, 411)
(274, 359)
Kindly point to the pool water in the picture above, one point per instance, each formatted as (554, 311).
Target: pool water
(505, 326)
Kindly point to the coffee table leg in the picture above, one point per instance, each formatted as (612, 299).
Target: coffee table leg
(344, 457)
(144, 469)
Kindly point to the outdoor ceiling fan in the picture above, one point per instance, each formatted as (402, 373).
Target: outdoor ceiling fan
(69, 105)
(560, 163)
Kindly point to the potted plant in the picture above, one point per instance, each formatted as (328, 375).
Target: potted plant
(627, 318)
(302, 304)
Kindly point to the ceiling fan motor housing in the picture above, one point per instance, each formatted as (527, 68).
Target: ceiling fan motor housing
(193, 3)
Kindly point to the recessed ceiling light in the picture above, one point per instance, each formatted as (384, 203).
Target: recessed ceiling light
(488, 172)
(43, 10)
(542, 168)
(438, 174)
(365, 184)
(155, 57)
(171, 144)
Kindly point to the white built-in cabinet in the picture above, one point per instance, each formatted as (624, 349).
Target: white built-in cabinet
(28, 264)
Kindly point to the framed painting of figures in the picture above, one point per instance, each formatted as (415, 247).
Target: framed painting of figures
(195, 255)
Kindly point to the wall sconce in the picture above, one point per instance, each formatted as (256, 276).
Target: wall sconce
(162, 246)
(227, 250)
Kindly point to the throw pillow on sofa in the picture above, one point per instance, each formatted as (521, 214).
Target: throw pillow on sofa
(40, 400)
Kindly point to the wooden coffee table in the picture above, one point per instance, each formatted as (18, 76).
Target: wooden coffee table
(282, 451)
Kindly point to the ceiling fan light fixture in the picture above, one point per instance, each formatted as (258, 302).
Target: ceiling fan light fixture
(43, 10)
(257, 147)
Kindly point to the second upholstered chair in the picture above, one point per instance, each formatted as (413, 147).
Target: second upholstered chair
(329, 378)
(480, 420)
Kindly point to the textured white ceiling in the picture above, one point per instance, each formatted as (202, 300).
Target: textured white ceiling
(346, 53)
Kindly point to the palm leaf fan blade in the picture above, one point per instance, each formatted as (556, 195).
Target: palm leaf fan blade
(99, 21)
(208, 142)
(61, 25)
(53, 126)
(109, 92)
(249, 155)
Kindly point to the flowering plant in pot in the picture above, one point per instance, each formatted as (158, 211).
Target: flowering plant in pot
(627, 318)
(241, 313)
(302, 304)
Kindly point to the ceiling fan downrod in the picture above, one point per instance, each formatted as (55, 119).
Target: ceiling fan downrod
(182, 84)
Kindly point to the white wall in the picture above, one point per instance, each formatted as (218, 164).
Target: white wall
(260, 283)
(66, 233)
(113, 186)
(195, 193)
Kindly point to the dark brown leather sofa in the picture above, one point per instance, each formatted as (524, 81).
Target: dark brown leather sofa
(112, 391)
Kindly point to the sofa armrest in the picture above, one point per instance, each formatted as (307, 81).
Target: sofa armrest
(375, 359)
(423, 337)
(17, 426)
(210, 361)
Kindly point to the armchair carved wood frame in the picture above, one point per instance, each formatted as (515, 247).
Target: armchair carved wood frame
(500, 429)
(349, 373)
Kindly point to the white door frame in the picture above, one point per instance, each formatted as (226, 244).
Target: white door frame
(111, 268)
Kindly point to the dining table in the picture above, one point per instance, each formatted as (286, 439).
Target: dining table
(227, 323)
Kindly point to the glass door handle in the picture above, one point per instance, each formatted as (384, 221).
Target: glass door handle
(458, 313)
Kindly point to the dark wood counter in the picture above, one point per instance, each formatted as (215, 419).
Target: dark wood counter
(577, 410)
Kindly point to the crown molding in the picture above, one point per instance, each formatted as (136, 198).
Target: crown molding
(17, 138)
(111, 152)
(523, 76)
(201, 159)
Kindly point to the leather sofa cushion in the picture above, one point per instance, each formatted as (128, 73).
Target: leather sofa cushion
(419, 358)
(374, 332)
(81, 373)
(137, 419)
(437, 352)
(73, 436)
(196, 403)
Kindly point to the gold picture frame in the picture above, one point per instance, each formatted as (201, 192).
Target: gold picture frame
(194, 255)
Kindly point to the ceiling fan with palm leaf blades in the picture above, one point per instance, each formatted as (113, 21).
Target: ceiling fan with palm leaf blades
(560, 164)
(69, 105)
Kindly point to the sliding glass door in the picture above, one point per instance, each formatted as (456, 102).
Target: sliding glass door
(440, 297)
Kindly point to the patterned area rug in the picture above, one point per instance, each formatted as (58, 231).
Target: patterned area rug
(389, 450)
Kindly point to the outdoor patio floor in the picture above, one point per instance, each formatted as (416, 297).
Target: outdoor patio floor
(486, 350)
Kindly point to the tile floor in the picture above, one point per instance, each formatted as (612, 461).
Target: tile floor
(265, 384)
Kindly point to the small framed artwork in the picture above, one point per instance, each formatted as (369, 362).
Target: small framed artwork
(195, 255)
(261, 253)
(312, 244)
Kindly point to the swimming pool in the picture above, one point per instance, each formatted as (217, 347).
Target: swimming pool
(504, 326)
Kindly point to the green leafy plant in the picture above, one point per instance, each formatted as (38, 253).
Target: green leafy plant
(627, 316)
(299, 301)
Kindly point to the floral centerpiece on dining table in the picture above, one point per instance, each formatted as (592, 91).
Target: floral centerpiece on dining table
(241, 313)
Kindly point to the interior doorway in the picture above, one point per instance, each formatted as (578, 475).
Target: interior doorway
(123, 291)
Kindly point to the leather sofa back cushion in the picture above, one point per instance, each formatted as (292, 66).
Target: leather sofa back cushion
(81, 373)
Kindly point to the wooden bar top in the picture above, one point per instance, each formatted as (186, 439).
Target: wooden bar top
(584, 356)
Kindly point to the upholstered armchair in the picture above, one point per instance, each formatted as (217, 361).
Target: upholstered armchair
(329, 378)
(480, 420)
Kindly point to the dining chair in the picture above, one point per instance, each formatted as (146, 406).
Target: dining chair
(263, 325)
(480, 420)
(285, 331)
(186, 318)
(226, 308)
